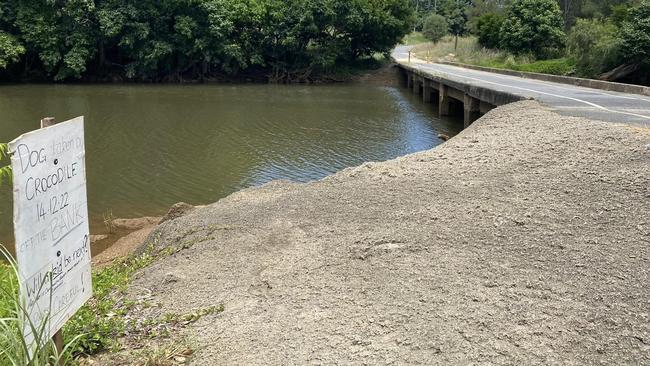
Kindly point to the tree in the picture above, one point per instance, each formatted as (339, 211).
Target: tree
(456, 14)
(479, 8)
(594, 46)
(589, 9)
(489, 30)
(533, 26)
(10, 49)
(170, 40)
(635, 34)
(375, 25)
(423, 8)
(60, 33)
(435, 27)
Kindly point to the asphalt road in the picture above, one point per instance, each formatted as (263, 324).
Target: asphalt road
(565, 99)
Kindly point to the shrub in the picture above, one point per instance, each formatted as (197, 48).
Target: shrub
(559, 66)
(594, 46)
(435, 27)
(10, 49)
(488, 29)
(533, 26)
(635, 34)
(620, 13)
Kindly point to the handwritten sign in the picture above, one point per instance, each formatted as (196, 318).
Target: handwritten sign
(51, 223)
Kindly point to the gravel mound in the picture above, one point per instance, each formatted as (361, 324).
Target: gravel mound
(522, 241)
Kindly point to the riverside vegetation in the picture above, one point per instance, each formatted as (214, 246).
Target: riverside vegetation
(606, 39)
(100, 325)
(169, 40)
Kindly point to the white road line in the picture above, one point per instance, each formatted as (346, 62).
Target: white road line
(545, 93)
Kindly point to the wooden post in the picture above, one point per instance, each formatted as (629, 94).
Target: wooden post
(57, 338)
(47, 122)
(409, 57)
(58, 343)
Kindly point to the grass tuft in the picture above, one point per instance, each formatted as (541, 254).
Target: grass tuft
(101, 320)
(15, 323)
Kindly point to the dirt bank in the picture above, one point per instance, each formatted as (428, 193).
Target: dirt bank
(523, 240)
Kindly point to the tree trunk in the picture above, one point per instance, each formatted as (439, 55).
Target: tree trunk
(619, 72)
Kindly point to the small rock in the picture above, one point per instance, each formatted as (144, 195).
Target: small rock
(96, 238)
(178, 210)
(171, 278)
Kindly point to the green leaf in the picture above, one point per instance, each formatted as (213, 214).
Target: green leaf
(4, 151)
(6, 175)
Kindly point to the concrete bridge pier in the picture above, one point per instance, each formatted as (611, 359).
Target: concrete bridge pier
(452, 97)
(471, 109)
(416, 84)
(444, 101)
(427, 90)
(485, 107)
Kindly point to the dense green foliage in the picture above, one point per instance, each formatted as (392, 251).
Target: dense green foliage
(558, 66)
(533, 26)
(488, 29)
(635, 34)
(594, 45)
(456, 14)
(572, 10)
(435, 27)
(10, 49)
(607, 39)
(194, 39)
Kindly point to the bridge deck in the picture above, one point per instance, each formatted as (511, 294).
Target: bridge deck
(565, 99)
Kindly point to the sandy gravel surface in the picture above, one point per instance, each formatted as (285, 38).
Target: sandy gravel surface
(522, 241)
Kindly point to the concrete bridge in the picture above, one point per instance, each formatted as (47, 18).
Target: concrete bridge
(474, 92)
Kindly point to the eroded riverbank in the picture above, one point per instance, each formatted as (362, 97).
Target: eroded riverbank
(523, 240)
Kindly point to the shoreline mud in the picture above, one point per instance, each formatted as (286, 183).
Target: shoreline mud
(522, 240)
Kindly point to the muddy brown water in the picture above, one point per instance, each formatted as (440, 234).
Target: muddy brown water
(149, 147)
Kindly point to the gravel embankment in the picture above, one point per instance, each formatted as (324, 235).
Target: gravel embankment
(522, 241)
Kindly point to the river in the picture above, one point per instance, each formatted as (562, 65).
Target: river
(150, 146)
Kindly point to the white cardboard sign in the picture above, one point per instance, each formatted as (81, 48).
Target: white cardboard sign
(51, 223)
